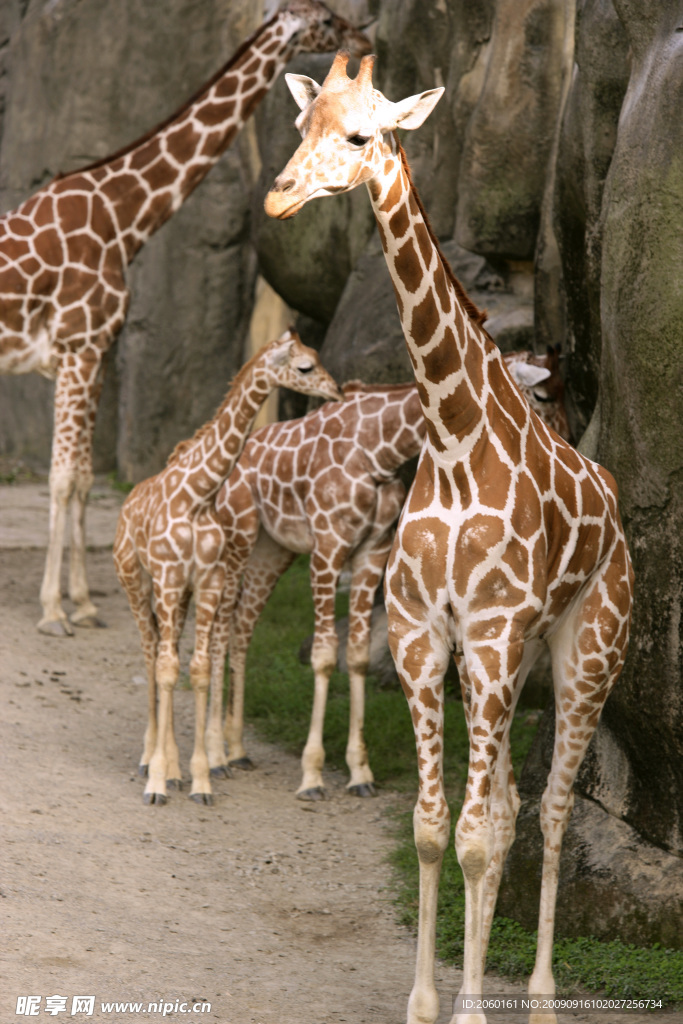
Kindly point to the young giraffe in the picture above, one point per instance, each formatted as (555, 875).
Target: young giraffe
(64, 255)
(169, 544)
(508, 538)
(325, 485)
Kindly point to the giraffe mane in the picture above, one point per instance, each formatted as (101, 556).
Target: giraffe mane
(478, 316)
(183, 447)
(129, 147)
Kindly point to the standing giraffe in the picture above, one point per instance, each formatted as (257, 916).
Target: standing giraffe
(324, 485)
(169, 544)
(64, 255)
(509, 538)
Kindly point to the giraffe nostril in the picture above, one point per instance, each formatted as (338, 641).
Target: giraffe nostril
(287, 186)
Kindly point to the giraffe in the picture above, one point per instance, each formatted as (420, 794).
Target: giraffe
(509, 539)
(169, 545)
(64, 255)
(325, 485)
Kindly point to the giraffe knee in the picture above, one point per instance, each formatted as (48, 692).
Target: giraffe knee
(324, 657)
(167, 669)
(357, 658)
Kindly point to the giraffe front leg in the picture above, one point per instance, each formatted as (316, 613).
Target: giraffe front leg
(167, 669)
(54, 621)
(421, 661)
(85, 614)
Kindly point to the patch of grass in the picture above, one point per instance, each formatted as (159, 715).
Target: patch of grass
(119, 485)
(278, 699)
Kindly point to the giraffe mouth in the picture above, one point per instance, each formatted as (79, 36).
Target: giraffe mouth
(281, 206)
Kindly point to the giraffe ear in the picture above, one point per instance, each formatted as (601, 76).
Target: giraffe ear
(412, 111)
(528, 375)
(303, 89)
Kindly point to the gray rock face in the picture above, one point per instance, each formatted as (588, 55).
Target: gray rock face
(509, 134)
(587, 140)
(641, 439)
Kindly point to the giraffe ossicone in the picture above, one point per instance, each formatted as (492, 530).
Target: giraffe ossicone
(509, 539)
(64, 255)
(170, 547)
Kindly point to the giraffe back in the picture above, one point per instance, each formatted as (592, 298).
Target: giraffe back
(321, 472)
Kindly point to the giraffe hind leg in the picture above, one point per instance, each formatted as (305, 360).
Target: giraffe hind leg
(588, 652)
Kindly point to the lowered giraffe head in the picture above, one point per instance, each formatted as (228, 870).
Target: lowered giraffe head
(288, 363)
(346, 127)
(321, 31)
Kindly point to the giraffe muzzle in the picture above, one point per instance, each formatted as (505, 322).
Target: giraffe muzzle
(283, 200)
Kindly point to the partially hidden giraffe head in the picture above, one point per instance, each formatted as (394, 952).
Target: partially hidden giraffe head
(345, 126)
(321, 31)
(288, 363)
(538, 378)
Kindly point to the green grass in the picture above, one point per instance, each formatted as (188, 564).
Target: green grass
(278, 701)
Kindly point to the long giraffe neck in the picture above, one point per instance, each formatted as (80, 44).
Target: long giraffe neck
(208, 458)
(145, 183)
(454, 360)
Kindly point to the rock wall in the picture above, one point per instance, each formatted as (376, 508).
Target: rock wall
(619, 210)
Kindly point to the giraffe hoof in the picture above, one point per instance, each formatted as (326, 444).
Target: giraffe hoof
(245, 764)
(362, 789)
(88, 622)
(174, 784)
(143, 770)
(316, 793)
(221, 771)
(155, 798)
(202, 798)
(55, 627)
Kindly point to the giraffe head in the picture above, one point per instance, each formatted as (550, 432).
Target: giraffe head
(346, 127)
(321, 31)
(288, 363)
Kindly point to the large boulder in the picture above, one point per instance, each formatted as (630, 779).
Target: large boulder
(509, 135)
(587, 139)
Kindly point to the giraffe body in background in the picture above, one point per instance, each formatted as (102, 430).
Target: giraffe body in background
(64, 255)
(170, 545)
(324, 485)
(509, 538)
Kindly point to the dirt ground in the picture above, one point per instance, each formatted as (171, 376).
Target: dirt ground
(267, 908)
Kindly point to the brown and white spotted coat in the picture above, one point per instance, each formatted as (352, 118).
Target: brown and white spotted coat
(170, 545)
(64, 255)
(509, 538)
(323, 485)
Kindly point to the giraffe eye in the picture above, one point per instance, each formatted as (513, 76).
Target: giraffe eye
(305, 369)
(542, 398)
(357, 140)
